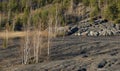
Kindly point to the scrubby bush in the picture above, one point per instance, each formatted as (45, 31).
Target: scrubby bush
(117, 21)
(111, 12)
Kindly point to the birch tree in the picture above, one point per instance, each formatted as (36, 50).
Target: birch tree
(27, 38)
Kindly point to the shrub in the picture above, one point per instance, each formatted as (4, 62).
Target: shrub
(111, 12)
(117, 21)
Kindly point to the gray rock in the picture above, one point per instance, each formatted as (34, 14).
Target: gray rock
(77, 34)
(109, 32)
(85, 33)
(92, 33)
(104, 32)
(118, 26)
(82, 69)
(102, 64)
(99, 32)
(114, 31)
(72, 30)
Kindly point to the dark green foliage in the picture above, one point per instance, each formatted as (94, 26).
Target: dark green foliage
(18, 25)
(77, 1)
(95, 11)
(4, 7)
(86, 2)
(117, 21)
(13, 5)
(112, 12)
(0, 6)
(108, 9)
(3, 22)
(93, 3)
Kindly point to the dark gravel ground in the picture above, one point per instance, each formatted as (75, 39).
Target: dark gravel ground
(72, 53)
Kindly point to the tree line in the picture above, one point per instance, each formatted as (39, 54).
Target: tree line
(108, 9)
(9, 9)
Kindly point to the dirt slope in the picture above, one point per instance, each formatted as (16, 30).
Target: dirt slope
(69, 54)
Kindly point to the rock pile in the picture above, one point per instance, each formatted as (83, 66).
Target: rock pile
(105, 29)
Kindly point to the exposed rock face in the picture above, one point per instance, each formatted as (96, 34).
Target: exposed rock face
(98, 28)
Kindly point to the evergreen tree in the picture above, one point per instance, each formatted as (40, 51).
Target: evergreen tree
(112, 12)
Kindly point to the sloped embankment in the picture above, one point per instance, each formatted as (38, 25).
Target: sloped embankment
(71, 54)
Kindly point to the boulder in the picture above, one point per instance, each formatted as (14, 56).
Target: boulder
(104, 32)
(109, 32)
(92, 33)
(102, 64)
(114, 31)
(60, 30)
(77, 34)
(118, 26)
(82, 69)
(73, 30)
(85, 33)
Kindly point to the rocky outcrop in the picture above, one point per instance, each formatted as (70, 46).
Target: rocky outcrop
(98, 29)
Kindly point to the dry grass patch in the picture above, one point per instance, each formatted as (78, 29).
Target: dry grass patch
(22, 34)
